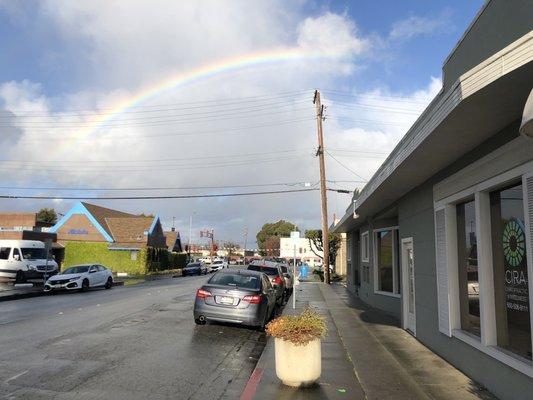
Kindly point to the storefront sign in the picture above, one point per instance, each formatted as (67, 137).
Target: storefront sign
(514, 249)
(78, 232)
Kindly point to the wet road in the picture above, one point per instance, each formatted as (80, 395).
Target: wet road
(137, 342)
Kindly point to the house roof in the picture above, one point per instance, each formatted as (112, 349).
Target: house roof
(129, 229)
(171, 238)
(100, 214)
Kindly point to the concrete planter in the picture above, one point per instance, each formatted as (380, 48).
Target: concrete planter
(298, 365)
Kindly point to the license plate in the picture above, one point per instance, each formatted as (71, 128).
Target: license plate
(226, 300)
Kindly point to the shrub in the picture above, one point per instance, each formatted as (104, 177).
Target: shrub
(298, 329)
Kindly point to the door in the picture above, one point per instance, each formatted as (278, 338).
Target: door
(93, 275)
(408, 285)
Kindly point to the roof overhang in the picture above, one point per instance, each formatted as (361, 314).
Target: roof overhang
(482, 103)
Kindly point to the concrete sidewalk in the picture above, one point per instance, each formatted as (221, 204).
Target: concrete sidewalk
(364, 356)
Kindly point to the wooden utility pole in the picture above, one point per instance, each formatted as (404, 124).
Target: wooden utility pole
(324, 199)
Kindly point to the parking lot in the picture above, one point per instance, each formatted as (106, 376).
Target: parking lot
(132, 342)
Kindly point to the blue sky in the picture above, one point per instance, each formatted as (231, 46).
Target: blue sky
(59, 56)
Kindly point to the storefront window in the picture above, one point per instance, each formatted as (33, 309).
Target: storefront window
(468, 267)
(385, 260)
(510, 271)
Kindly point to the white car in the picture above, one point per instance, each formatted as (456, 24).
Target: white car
(218, 264)
(81, 277)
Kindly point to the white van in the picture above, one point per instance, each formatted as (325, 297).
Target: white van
(22, 260)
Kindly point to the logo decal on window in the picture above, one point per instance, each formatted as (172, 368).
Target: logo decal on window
(514, 242)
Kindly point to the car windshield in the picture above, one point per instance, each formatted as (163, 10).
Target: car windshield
(77, 269)
(193, 265)
(33, 253)
(217, 262)
(238, 280)
(264, 269)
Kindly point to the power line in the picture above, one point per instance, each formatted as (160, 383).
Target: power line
(191, 196)
(345, 167)
(153, 188)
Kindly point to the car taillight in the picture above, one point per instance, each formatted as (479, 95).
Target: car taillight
(255, 299)
(202, 294)
(277, 280)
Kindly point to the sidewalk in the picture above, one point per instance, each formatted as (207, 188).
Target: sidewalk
(364, 356)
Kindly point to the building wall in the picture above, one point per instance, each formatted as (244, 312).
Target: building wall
(303, 250)
(157, 238)
(340, 260)
(79, 228)
(416, 220)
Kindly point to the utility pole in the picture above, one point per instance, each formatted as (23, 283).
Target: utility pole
(320, 153)
(190, 234)
(245, 243)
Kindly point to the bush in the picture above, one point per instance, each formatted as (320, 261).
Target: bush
(163, 260)
(298, 329)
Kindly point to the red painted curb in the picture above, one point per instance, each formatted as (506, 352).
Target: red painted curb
(251, 387)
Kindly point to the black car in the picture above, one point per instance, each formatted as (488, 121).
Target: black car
(275, 275)
(194, 268)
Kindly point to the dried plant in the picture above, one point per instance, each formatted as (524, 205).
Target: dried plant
(298, 329)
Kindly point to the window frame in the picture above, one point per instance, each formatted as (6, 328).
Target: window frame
(487, 343)
(365, 246)
(395, 262)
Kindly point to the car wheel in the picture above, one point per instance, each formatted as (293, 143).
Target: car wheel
(85, 285)
(109, 283)
(198, 321)
(21, 277)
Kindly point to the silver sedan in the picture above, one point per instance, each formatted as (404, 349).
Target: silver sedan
(236, 296)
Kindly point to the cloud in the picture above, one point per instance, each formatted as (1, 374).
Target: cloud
(416, 25)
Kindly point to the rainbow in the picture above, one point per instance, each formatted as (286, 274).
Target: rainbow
(190, 77)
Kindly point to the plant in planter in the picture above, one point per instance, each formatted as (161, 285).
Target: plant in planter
(297, 347)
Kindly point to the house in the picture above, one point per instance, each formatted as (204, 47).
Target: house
(90, 233)
(442, 235)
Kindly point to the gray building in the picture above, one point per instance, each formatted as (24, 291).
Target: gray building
(442, 235)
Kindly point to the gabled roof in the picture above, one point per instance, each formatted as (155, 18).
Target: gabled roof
(129, 229)
(173, 241)
(115, 226)
(100, 214)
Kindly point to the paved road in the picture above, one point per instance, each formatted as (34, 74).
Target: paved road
(137, 342)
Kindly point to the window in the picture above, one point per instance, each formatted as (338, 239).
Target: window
(365, 247)
(385, 260)
(511, 293)
(133, 255)
(16, 253)
(4, 253)
(349, 250)
(468, 267)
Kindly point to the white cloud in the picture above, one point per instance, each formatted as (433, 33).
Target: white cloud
(416, 25)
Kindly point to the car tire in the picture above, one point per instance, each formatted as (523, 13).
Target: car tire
(109, 283)
(85, 285)
(21, 277)
(199, 322)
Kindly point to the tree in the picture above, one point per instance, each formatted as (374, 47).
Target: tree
(272, 246)
(278, 229)
(315, 241)
(47, 215)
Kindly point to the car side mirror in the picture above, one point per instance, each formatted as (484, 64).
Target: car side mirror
(286, 275)
(16, 257)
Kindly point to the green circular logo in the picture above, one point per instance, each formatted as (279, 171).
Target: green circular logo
(514, 242)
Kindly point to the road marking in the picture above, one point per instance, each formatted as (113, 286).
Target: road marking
(251, 387)
(16, 376)
(60, 313)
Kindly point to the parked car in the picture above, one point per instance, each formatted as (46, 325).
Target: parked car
(22, 260)
(236, 296)
(81, 277)
(275, 275)
(217, 265)
(289, 280)
(195, 268)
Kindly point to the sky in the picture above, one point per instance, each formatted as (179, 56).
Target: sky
(209, 97)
